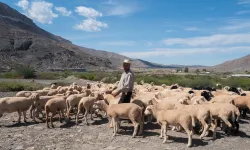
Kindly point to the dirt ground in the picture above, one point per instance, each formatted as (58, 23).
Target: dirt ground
(33, 136)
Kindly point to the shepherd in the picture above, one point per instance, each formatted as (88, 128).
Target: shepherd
(126, 83)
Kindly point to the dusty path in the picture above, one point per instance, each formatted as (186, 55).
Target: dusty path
(32, 136)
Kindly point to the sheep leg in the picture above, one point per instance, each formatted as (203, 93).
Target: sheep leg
(205, 126)
(190, 134)
(91, 116)
(34, 116)
(164, 127)
(51, 119)
(19, 116)
(161, 136)
(31, 111)
(68, 111)
(47, 119)
(63, 116)
(85, 115)
(24, 116)
(228, 124)
(214, 126)
(141, 125)
(136, 126)
(110, 125)
(115, 125)
(60, 116)
(77, 115)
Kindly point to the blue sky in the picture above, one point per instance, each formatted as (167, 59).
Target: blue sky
(188, 32)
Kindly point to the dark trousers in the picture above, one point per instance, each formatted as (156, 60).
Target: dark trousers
(126, 97)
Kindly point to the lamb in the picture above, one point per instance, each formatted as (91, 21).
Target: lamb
(87, 104)
(53, 106)
(23, 93)
(124, 111)
(62, 90)
(197, 100)
(110, 99)
(38, 106)
(73, 101)
(52, 92)
(223, 111)
(198, 113)
(42, 92)
(19, 104)
(172, 117)
(223, 99)
(53, 86)
(243, 103)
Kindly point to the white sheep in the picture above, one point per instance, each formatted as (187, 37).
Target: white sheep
(87, 103)
(19, 104)
(123, 111)
(54, 106)
(174, 118)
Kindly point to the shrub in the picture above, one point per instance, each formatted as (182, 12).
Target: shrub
(25, 71)
(19, 86)
(10, 75)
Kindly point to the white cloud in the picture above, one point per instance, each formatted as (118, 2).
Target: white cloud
(149, 44)
(243, 12)
(63, 11)
(243, 2)
(110, 2)
(170, 30)
(40, 11)
(87, 12)
(192, 29)
(184, 52)
(237, 24)
(121, 10)
(24, 4)
(91, 25)
(215, 40)
(118, 43)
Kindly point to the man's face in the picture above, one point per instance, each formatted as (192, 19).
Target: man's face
(126, 66)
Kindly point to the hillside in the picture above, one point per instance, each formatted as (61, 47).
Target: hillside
(237, 65)
(22, 42)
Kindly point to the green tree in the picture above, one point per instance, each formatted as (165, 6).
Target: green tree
(197, 70)
(204, 70)
(186, 69)
(25, 71)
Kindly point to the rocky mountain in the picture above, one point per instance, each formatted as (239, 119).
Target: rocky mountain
(23, 42)
(237, 65)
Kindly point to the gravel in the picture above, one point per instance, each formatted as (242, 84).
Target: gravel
(64, 136)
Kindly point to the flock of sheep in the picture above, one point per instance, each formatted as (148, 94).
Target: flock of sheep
(175, 106)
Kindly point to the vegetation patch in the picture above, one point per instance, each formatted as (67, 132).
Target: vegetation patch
(7, 86)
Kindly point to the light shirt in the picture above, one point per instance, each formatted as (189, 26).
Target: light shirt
(126, 83)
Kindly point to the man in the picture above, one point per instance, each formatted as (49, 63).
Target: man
(126, 83)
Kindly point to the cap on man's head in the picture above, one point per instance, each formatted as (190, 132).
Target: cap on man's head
(126, 61)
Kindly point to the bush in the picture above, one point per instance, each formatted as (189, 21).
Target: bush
(19, 86)
(25, 71)
(10, 75)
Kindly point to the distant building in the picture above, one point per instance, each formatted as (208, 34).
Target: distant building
(69, 69)
(241, 75)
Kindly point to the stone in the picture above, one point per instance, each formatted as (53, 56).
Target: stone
(19, 147)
